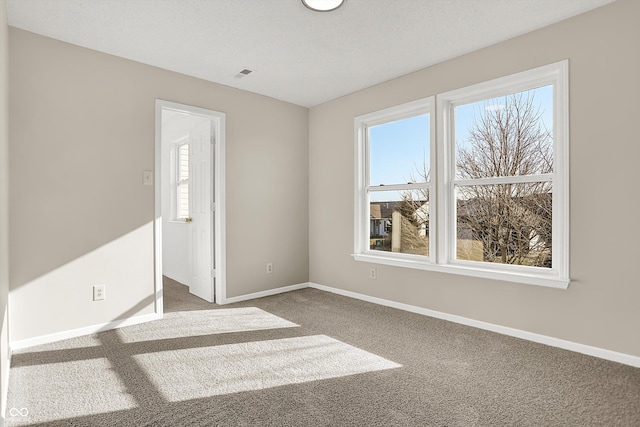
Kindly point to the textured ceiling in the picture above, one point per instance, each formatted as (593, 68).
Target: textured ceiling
(297, 55)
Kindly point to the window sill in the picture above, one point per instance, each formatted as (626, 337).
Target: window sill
(548, 280)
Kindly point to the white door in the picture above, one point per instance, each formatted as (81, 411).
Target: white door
(201, 281)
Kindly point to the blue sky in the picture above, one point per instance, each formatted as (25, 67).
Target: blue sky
(397, 149)
(464, 113)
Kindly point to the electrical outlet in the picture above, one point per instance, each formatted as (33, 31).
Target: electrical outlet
(99, 292)
(269, 268)
(373, 274)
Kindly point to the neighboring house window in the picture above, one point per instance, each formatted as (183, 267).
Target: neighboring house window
(500, 176)
(182, 181)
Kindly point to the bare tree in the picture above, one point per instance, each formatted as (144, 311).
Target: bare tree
(414, 214)
(513, 221)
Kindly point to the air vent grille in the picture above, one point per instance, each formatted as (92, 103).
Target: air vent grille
(243, 73)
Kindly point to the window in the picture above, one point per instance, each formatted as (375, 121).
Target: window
(396, 181)
(488, 197)
(182, 181)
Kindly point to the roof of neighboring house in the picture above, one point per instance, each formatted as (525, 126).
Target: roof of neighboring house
(387, 208)
(380, 210)
(538, 204)
(374, 211)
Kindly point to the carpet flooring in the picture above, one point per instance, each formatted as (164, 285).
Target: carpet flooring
(311, 358)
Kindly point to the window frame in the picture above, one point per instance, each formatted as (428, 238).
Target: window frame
(178, 183)
(364, 188)
(442, 209)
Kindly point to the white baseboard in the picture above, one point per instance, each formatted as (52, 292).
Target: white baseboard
(614, 356)
(623, 358)
(45, 339)
(266, 293)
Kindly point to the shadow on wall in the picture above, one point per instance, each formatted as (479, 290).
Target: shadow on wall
(48, 237)
(92, 247)
(80, 214)
(61, 299)
(79, 143)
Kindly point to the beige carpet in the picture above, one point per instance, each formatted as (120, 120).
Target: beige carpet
(310, 358)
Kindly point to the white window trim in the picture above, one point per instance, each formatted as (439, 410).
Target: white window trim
(363, 188)
(441, 257)
(177, 182)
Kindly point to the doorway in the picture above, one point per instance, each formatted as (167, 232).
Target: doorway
(189, 200)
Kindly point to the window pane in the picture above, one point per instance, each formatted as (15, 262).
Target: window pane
(508, 223)
(399, 151)
(399, 221)
(183, 201)
(505, 136)
(183, 162)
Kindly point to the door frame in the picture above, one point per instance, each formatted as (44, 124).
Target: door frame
(219, 224)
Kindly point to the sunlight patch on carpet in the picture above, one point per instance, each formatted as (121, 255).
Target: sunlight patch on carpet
(206, 322)
(57, 391)
(210, 371)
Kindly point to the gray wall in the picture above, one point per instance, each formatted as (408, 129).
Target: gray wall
(600, 308)
(4, 202)
(82, 133)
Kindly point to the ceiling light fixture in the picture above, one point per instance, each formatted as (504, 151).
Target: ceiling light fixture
(323, 5)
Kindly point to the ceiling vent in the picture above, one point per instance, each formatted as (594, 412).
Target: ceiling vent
(243, 73)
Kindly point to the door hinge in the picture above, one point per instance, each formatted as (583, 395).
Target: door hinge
(213, 273)
(213, 139)
(213, 206)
